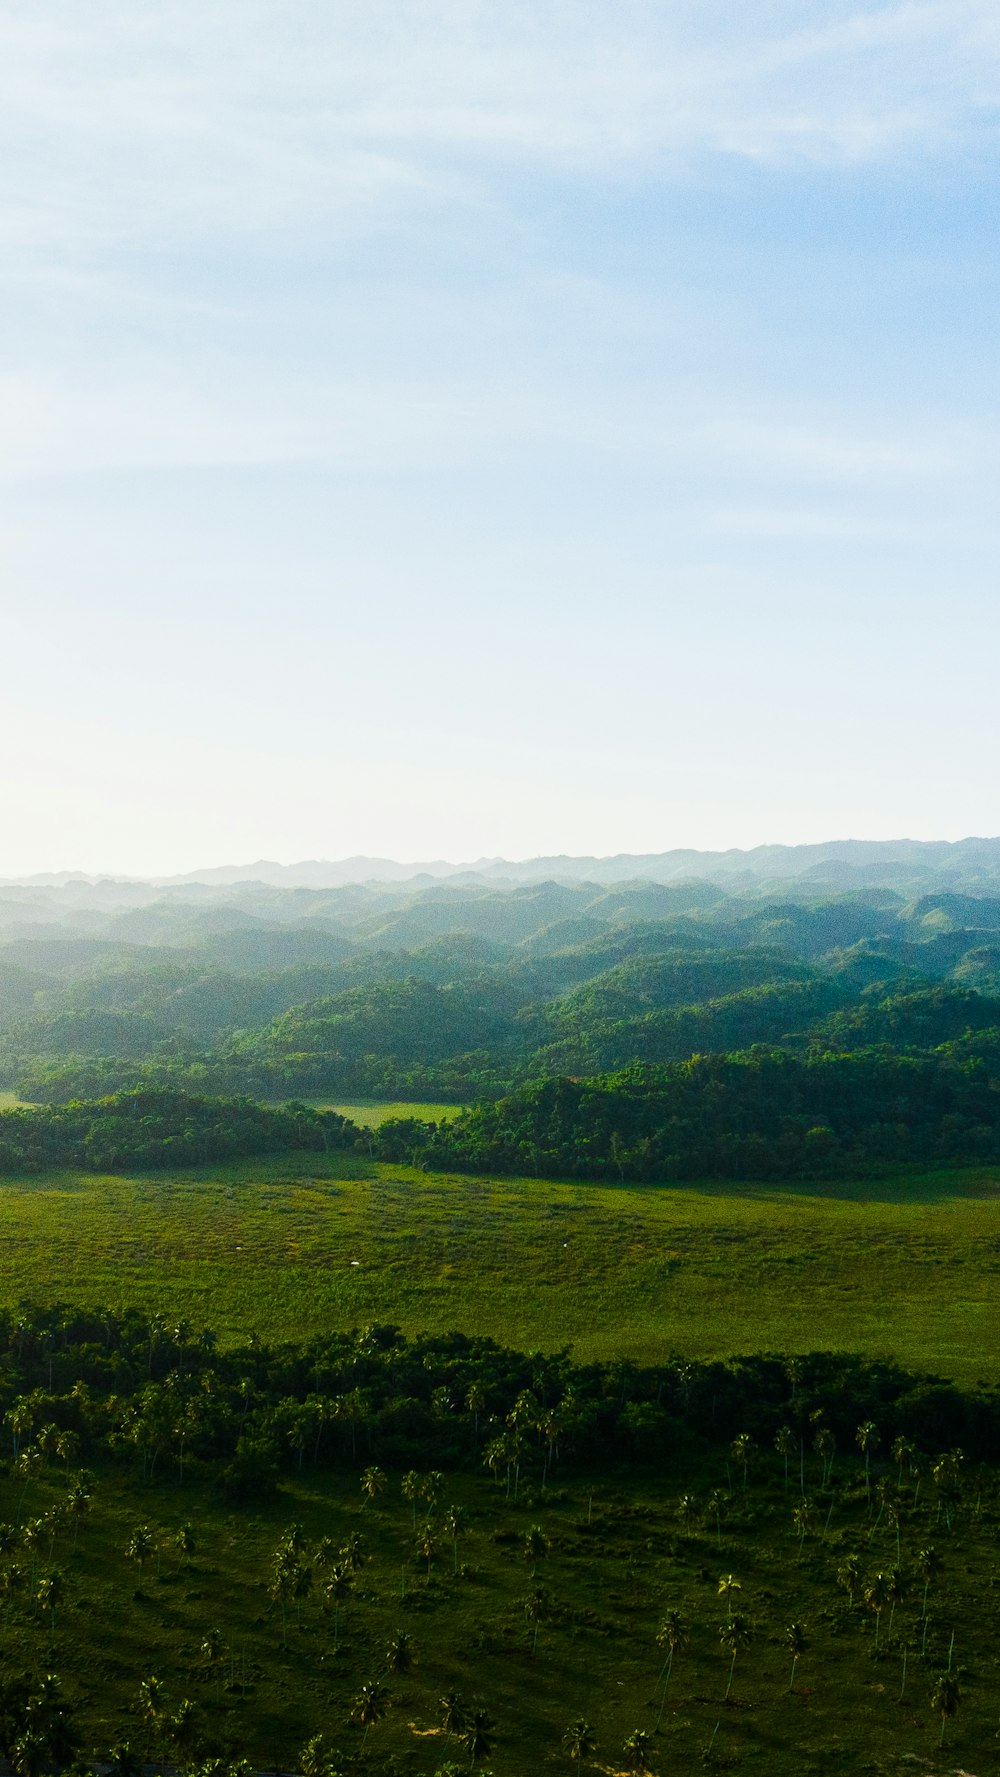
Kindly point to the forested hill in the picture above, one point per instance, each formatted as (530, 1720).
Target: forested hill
(840, 1029)
(761, 1114)
(155, 1129)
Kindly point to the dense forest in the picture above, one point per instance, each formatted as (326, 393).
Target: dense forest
(641, 1030)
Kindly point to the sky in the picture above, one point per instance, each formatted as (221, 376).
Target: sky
(458, 430)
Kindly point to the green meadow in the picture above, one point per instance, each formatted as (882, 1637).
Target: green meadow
(906, 1267)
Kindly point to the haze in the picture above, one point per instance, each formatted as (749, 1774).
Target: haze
(437, 431)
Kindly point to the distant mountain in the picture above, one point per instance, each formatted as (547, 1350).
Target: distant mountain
(910, 867)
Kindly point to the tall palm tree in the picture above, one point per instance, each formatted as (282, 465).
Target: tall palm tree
(866, 1439)
(895, 1586)
(876, 1598)
(410, 1489)
(734, 1636)
(140, 1546)
(945, 1699)
(848, 1574)
(728, 1584)
(784, 1443)
(152, 1706)
(314, 1760)
(579, 1741)
(453, 1521)
(672, 1635)
(742, 1449)
(796, 1642)
(537, 1610)
(335, 1591)
(927, 1564)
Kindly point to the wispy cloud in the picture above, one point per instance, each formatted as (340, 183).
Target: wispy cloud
(139, 123)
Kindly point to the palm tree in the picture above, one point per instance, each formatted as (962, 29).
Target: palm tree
(927, 1564)
(335, 1591)
(728, 1584)
(453, 1520)
(373, 1483)
(454, 1714)
(123, 1761)
(579, 1741)
(945, 1699)
(848, 1574)
(427, 1546)
(876, 1598)
(866, 1439)
(784, 1443)
(370, 1705)
(477, 1736)
(314, 1760)
(537, 1611)
(50, 1589)
(183, 1728)
(671, 1634)
(795, 1638)
(734, 1635)
(716, 1502)
(475, 1401)
(410, 1489)
(140, 1546)
(152, 1705)
(804, 1519)
(399, 1653)
(825, 1446)
(895, 1586)
(638, 1750)
(742, 1449)
(536, 1545)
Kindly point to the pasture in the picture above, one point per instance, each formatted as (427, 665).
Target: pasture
(908, 1268)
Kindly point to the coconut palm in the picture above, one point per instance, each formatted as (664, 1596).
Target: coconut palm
(638, 1750)
(373, 1484)
(536, 1545)
(672, 1635)
(454, 1714)
(48, 1593)
(866, 1438)
(716, 1505)
(895, 1586)
(399, 1653)
(927, 1564)
(734, 1636)
(945, 1699)
(784, 1443)
(427, 1546)
(370, 1706)
(876, 1598)
(453, 1521)
(537, 1610)
(335, 1591)
(140, 1546)
(152, 1706)
(579, 1741)
(728, 1584)
(477, 1736)
(848, 1574)
(184, 1730)
(804, 1519)
(742, 1449)
(796, 1642)
(314, 1760)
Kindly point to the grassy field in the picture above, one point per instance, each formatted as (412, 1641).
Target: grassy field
(908, 1268)
(371, 1112)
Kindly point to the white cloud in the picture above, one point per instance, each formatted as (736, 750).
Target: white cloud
(141, 124)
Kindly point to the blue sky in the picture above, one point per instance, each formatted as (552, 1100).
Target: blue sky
(446, 430)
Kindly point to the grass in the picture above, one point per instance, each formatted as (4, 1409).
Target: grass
(371, 1113)
(905, 1268)
(617, 1559)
